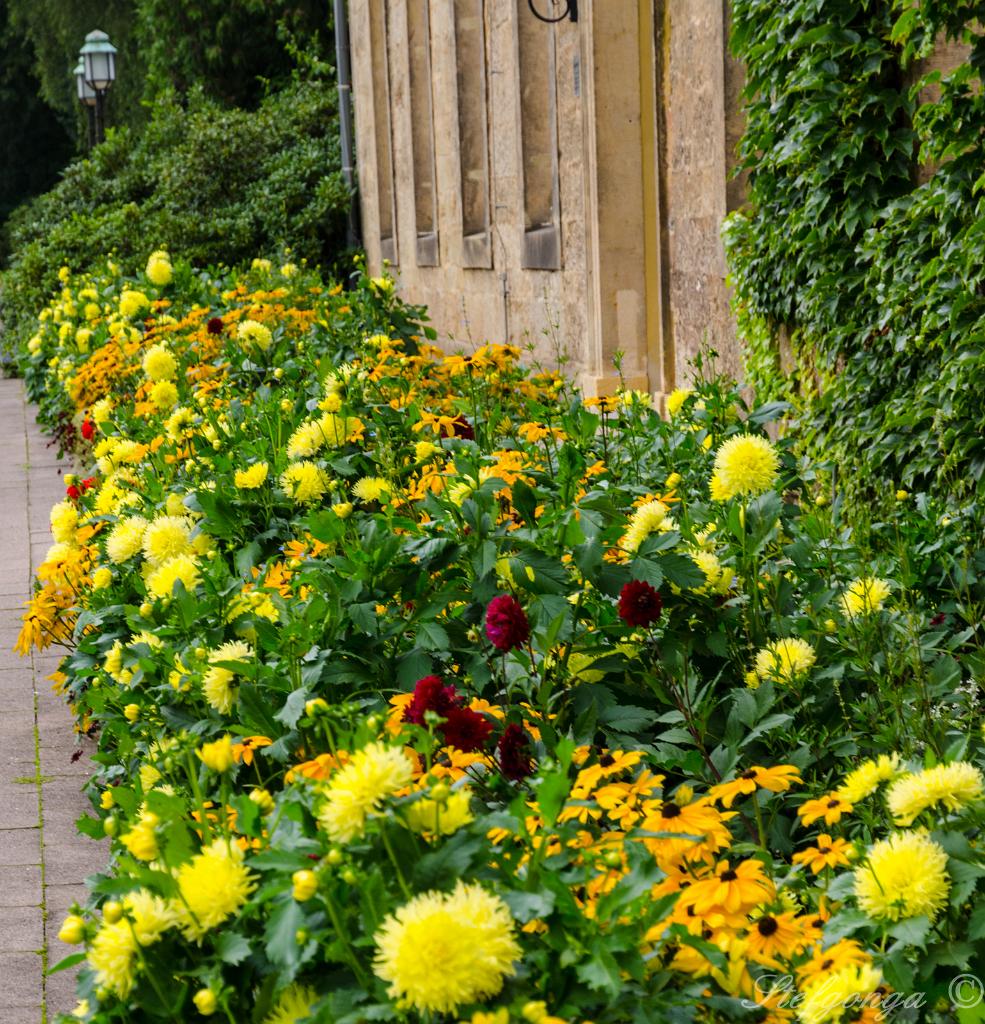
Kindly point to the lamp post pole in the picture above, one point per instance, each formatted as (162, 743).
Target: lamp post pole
(97, 61)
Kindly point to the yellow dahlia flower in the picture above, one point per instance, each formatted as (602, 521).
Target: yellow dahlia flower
(218, 682)
(307, 440)
(953, 786)
(161, 581)
(356, 791)
(304, 482)
(217, 756)
(141, 840)
(159, 270)
(166, 538)
(213, 885)
(112, 956)
(865, 779)
(371, 488)
(676, 399)
(252, 478)
(747, 465)
(133, 302)
(441, 817)
(653, 517)
(102, 578)
(126, 539)
(254, 335)
(64, 519)
(159, 363)
(294, 1005)
(827, 996)
(164, 395)
(785, 661)
(864, 596)
(150, 915)
(443, 950)
(903, 876)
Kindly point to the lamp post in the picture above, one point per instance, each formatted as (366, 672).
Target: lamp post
(98, 60)
(87, 97)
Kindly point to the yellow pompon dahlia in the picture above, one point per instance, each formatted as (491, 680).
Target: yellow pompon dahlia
(164, 395)
(159, 363)
(371, 488)
(653, 517)
(828, 996)
(218, 683)
(150, 915)
(254, 335)
(355, 791)
(304, 482)
(161, 581)
(864, 596)
(126, 539)
(112, 956)
(213, 885)
(64, 519)
(102, 577)
(141, 840)
(953, 786)
(217, 756)
(785, 661)
(717, 490)
(865, 779)
(443, 950)
(166, 538)
(252, 478)
(133, 303)
(676, 399)
(307, 440)
(159, 270)
(440, 817)
(746, 464)
(903, 876)
(294, 1005)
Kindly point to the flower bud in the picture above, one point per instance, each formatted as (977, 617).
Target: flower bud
(73, 930)
(205, 1001)
(305, 885)
(112, 911)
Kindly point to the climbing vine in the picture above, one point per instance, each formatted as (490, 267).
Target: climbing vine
(863, 238)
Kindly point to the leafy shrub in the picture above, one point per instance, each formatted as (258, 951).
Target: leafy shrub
(221, 185)
(428, 688)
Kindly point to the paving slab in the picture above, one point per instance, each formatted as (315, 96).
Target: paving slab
(43, 860)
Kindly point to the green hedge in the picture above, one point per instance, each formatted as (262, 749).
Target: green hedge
(220, 185)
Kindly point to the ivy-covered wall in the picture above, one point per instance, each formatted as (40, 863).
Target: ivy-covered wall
(862, 246)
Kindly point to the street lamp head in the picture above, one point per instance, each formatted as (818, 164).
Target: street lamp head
(86, 93)
(99, 57)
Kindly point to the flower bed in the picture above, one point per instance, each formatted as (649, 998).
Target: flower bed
(426, 688)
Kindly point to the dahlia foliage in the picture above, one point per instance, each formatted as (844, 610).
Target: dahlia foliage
(427, 689)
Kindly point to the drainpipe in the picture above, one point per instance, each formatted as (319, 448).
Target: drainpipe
(344, 73)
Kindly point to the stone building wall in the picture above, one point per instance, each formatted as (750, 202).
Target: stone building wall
(560, 187)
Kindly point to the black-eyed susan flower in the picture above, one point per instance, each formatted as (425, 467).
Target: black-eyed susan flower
(830, 808)
(828, 853)
(776, 780)
(775, 937)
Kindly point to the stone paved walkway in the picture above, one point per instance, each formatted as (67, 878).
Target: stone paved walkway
(42, 859)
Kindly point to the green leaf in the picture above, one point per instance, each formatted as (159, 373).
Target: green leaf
(232, 948)
(281, 932)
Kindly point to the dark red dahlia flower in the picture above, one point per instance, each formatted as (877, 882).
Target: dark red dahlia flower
(462, 428)
(88, 429)
(73, 492)
(431, 694)
(514, 753)
(215, 325)
(639, 604)
(506, 623)
(466, 730)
